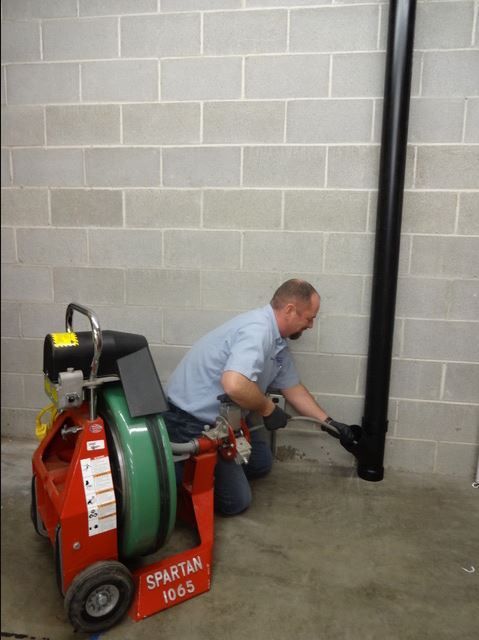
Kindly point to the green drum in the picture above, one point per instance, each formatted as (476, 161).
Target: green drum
(143, 474)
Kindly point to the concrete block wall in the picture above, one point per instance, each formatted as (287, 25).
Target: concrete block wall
(170, 162)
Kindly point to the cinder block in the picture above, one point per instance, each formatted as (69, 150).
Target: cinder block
(52, 246)
(353, 167)
(201, 79)
(146, 321)
(347, 409)
(166, 359)
(21, 355)
(272, 251)
(451, 73)
(326, 210)
(161, 123)
(457, 460)
(340, 294)
(283, 3)
(48, 167)
(26, 283)
(163, 287)
(239, 290)
(6, 177)
(20, 41)
(120, 81)
(287, 76)
(245, 32)
(442, 256)
(358, 75)
(328, 374)
(190, 5)
(344, 334)
(334, 29)
(81, 124)
(201, 167)
(429, 212)
(25, 207)
(35, 396)
(9, 252)
(329, 121)
(43, 83)
(415, 456)
(468, 219)
(415, 379)
(23, 126)
(451, 167)
(26, 9)
(18, 423)
(438, 340)
(3, 87)
(86, 208)
(186, 326)
(462, 382)
(248, 121)
(438, 421)
(464, 300)
(10, 315)
(242, 209)
(349, 253)
(85, 39)
(88, 285)
(12, 390)
(472, 120)
(129, 167)
(160, 36)
(435, 120)
(39, 319)
(125, 248)
(288, 166)
(155, 208)
(422, 297)
(202, 249)
(107, 7)
(443, 25)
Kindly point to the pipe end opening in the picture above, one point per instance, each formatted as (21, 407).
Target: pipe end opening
(371, 474)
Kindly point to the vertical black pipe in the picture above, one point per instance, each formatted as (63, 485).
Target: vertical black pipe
(397, 90)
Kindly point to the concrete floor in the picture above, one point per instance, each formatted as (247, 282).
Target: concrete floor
(320, 555)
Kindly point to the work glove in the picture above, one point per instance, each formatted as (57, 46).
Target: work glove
(347, 434)
(276, 420)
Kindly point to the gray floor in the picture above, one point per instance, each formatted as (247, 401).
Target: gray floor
(320, 555)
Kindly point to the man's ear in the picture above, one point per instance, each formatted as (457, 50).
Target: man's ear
(289, 308)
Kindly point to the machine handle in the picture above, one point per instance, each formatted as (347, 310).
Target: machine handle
(96, 332)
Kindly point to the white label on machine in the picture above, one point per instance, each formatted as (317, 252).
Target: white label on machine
(95, 445)
(99, 494)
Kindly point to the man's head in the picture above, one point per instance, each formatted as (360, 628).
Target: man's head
(295, 304)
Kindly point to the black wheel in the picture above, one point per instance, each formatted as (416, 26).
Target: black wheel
(99, 596)
(35, 516)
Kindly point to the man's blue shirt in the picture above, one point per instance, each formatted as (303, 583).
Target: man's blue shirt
(249, 344)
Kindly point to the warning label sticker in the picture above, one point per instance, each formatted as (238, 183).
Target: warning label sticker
(99, 494)
(67, 339)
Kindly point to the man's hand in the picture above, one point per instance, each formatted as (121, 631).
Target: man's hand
(276, 420)
(344, 432)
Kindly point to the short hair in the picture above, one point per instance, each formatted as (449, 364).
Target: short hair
(294, 289)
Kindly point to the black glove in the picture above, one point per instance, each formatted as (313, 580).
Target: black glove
(276, 420)
(346, 434)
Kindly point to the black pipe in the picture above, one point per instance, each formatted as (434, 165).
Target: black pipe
(397, 90)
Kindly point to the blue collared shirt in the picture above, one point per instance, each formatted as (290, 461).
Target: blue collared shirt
(249, 344)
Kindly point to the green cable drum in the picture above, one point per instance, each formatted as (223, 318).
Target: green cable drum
(143, 472)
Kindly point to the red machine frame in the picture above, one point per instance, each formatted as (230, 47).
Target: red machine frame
(60, 497)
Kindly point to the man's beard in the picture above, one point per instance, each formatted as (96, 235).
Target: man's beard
(295, 336)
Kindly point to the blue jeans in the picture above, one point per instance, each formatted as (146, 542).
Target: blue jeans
(232, 489)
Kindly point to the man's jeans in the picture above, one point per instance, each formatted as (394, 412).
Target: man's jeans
(232, 490)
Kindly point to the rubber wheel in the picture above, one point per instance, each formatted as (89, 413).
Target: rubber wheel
(35, 516)
(99, 596)
(143, 473)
